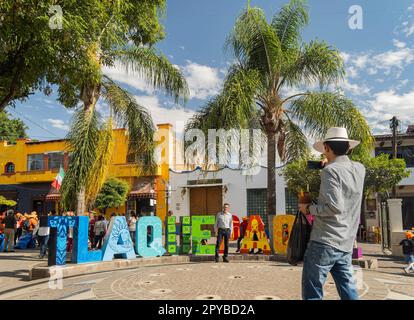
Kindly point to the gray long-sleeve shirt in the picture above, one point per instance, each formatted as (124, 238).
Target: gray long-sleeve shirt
(337, 213)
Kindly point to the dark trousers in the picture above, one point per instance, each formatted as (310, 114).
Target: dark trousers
(17, 235)
(43, 240)
(223, 234)
(98, 241)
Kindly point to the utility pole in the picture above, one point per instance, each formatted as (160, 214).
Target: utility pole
(394, 124)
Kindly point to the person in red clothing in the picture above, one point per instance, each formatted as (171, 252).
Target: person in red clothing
(243, 228)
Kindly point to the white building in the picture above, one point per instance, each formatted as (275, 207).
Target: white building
(200, 192)
(405, 189)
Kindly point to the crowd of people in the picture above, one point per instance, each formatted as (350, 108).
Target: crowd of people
(34, 229)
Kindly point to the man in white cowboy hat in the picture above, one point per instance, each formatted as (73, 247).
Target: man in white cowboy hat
(337, 215)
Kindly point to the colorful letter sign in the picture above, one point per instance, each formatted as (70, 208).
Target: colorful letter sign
(80, 252)
(255, 237)
(282, 226)
(198, 235)
(147, 248)
(185, 237)
(170, 236)
(118, 240)
(60, 235)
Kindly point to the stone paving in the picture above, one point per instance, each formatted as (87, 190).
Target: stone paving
(208, 281)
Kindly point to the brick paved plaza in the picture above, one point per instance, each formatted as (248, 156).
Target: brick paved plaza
(235, 280)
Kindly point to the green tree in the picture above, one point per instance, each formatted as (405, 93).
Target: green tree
(122, 32)
(271, 60)
(112, 195)
(299, 178)
(35, 51)
(11, 129)
(382, 173)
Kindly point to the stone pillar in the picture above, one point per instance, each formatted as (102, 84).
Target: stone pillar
(395, 214)
(396, 225)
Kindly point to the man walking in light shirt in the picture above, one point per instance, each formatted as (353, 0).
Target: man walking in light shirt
(336, 221)
(223, 229)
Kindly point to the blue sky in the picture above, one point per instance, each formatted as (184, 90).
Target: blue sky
(379, 60)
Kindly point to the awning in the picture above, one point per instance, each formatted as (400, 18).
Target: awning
(53, 195)
(143, 187)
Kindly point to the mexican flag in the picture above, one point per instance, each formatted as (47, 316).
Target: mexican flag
(58, 180)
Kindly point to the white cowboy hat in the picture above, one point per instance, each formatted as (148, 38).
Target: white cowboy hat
(335, 134)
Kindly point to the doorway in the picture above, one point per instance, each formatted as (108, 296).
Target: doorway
(38, 206)
(206, 201)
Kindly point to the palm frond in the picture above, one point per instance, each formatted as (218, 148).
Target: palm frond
(315, 62)
(155, 69)
(99, 170)
(233, 109)
(83, 138)
(295, 142)
(134, 117)
(321, 110)
(255, 44)
(289, 22)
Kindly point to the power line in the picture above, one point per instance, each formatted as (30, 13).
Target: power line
(36, 124)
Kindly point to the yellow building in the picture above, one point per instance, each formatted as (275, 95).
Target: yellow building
(28, 168)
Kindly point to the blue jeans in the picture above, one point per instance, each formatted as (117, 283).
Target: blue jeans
(43, 240)
(223, 234)
(320, 259)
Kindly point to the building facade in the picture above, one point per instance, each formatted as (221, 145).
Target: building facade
(27, 169)
(200, 192)
(405, 189)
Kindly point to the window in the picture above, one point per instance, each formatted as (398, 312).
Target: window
(55, 160)
(142, 159)
(9, 168)
(403, 152)
(35, 162)
(257, 203)
(291, 203)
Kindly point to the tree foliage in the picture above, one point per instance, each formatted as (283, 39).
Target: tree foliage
(112, 195)
(267, 83)
(11, 129)
(8, 203)
(33, 55)
(382, 173)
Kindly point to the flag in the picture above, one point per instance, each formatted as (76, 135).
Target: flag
(58, 180)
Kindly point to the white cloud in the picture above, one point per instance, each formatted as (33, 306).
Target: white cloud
(399, 44)
(386, 104)
(175, 116)
(133, 79)
(355, 89)
(203, 81)
(389, 62)
(58, 124)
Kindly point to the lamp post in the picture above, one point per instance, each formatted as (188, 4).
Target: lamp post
(394, 124)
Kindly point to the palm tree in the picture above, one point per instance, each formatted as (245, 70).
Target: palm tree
(270, 60)
(90, 140)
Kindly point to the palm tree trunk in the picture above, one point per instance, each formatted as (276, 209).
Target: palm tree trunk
(271, 174)
(89, 95)
(271, 183)
(81, 202)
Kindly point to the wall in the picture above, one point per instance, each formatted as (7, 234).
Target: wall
(236, 184)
